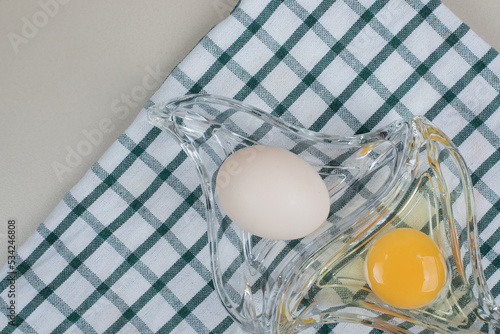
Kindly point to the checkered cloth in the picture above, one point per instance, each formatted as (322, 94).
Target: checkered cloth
(126, 249)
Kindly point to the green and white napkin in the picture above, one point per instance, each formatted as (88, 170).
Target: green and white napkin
(126, 249)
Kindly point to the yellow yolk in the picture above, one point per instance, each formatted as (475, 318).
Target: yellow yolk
(405, 268)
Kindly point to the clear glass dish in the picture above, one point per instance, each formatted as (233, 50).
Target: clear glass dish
(403, 175)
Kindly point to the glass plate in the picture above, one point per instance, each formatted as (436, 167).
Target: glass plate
(405, 175)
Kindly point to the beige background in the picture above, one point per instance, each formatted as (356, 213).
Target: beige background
(88, 67)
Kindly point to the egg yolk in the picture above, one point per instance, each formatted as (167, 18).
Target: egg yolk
(405, 268)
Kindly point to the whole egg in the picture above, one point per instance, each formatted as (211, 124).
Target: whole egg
(272, 193)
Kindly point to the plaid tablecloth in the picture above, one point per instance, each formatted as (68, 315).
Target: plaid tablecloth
(126, 249)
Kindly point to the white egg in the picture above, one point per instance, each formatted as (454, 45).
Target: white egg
(272, 193)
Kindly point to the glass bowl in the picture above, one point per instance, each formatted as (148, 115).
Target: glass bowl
(405, 175)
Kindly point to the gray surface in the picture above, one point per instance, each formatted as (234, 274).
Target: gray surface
(481, 15)
(88, 67)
